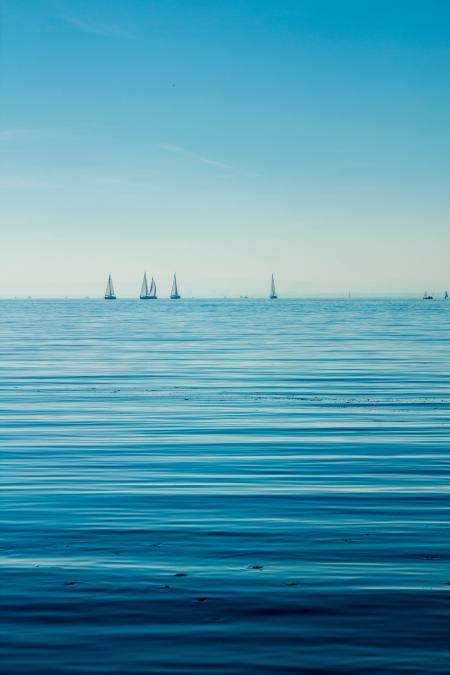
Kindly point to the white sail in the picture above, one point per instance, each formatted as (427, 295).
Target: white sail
(109, 294)
(144, 287)
(273, 293)
(152, 291)
(174, 292)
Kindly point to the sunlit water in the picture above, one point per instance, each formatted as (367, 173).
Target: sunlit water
(225, 486)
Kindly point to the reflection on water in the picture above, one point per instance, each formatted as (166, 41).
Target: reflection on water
(230, 486)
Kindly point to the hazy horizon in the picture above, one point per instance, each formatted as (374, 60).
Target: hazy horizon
(224, 141)
(165, 295)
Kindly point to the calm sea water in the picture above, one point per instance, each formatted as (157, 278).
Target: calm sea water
(225, 486)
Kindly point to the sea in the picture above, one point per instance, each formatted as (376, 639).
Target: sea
(224, 486)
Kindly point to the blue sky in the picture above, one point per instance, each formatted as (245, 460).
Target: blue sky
(224, 140)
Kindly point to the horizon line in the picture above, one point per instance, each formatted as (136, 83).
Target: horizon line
(322, 296)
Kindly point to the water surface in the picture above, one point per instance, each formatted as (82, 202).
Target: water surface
(225, 486)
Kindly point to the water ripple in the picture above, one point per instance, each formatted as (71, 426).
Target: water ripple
(225, 486)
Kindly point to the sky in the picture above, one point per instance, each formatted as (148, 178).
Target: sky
(224, 140)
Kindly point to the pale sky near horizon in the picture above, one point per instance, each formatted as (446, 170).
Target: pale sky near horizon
(224, 140)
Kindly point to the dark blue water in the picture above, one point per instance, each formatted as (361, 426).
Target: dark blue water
(225, 487)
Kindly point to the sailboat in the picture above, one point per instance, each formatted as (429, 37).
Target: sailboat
(427, 296)
(445, 295)
(152, 292)
(273, 294)
(109, 293)
(174, 295)
(148, 293)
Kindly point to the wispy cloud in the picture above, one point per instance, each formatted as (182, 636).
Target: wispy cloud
(26, 183)
(118, 181)
(17, 134)
(64, 179)
(195, 156)
(203, 159)
(86, 25)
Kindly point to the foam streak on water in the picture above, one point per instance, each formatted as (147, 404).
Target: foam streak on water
(290, 459)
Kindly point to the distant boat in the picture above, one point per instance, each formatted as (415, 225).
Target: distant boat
(445, 295)
(109, 294)
(427, 296)
(148, 293)
(174, 295)
(273, 294)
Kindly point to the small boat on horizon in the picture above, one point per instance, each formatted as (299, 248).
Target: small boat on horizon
(174, 295)
(109, 293)
(148, 293)
(427, 296)
(273, 294)
(445, 295)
